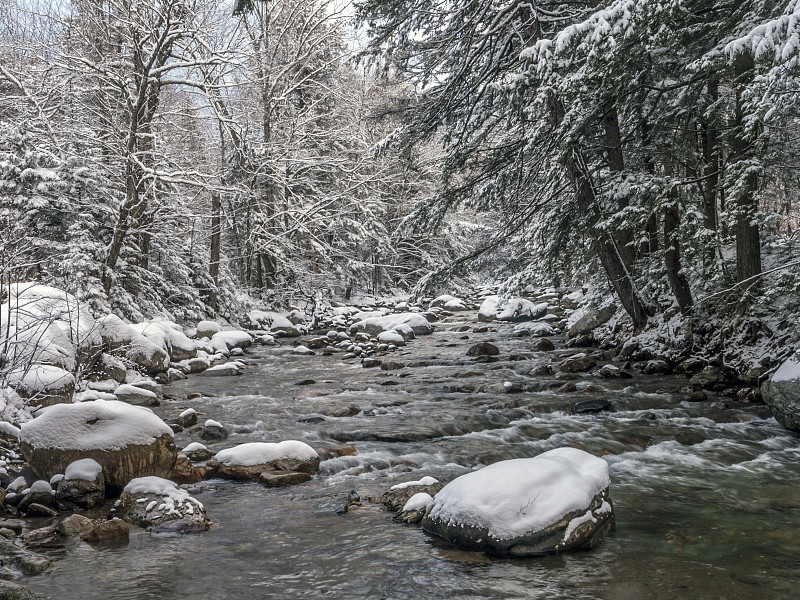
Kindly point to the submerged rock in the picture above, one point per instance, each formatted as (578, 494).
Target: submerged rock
(555, 502)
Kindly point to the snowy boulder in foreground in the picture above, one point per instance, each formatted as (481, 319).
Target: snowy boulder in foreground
(783, 395)
(43, 384)
(555, 502)
(285, 463)
(159, 505)
(127, 441)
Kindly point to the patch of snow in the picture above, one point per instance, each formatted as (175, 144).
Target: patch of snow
(788, 371)
(85, 469)
(212, 423)
(194, 447)
(427, 480)
(421, 501)
(41, 486)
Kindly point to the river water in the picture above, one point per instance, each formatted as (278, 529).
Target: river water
(707, 499)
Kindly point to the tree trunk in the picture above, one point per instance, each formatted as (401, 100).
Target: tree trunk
(613, 141)
(748, 239)
(672, 259)
(216, 232)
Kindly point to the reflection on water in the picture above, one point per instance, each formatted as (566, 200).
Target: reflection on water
(707, 500)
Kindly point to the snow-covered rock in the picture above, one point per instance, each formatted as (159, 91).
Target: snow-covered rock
(46, 326)
(83, 485)
(783, 394)
(520, 309)
(42, 384)
(415, 509)
(488, 310)
(234, 338)
(206, 329)
(303, 351)
(284, 463)
(398, 495)
(536, 329)
(584, 321)
(133, 394)
(170, 336)
(159, 505)
(123, 340)
(392, 337)
(224, 370)
(555, 502)
(128, 441)
(272, 321)
(377, 325)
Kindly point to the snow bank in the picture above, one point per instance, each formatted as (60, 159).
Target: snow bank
(788, 371)
(93, 425)
(259, 453)
(513, 497)
(46, 326)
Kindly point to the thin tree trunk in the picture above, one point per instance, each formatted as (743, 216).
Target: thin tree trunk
(672, 259)
(216, 233)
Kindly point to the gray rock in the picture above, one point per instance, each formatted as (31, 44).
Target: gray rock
(81, 493)
(591, 320)
(483, 349)
(177, 513)
(577, 363)
(26, 561)
(13, 591)
(75, 525)
(213, 432)
(783, 395)
(395, 499)
(115, 530)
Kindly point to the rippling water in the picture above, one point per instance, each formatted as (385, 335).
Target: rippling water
(707, 500)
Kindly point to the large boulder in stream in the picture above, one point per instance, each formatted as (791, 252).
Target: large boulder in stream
(555, 502)
(127, 441)
(286, 463)
(783, 394)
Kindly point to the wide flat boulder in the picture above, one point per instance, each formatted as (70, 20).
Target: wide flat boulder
(127, 441)
(42, 384)
(284, 463)
(783, 395)
(555, 502)
(159, 505)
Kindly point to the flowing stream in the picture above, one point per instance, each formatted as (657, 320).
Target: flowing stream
(707, 499)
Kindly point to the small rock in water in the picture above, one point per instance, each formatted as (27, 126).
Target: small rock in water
(75, 525)
(543, 345)
(567, 388)
(483, 349)
(591, 406)
(113, 530)
(213, 431)
(303, 351)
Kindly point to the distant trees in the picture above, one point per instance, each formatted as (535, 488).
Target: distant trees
(636, 130)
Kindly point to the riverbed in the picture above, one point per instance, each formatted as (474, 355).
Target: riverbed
(707, 498)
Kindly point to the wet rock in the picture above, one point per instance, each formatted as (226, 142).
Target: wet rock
(14, 525)
(184, 471)
(584, 340)
(39, 493)
(610, 371)
(693, 395)
(483, 349)
(522, 508)
(271, 479)
(391, 365)
(657, 367)
(159, 505)
(576, 363)
(415, 509)
(197, 452)
(186, 419)
(113, 530)
(13, 591)
(591, 406)
(783, 394)
(30, 563)
(541, 371)
(39, 536)
(39, 510)
(543, 345)
(74, 525)
(566, 388)
(711, 377)
(212, 430)
(303, 351)
(370, 363)
(127, 441)
(398, 495)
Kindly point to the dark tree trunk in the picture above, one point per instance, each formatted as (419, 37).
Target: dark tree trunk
(616, 162)
(672, 259)
(216, 233)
